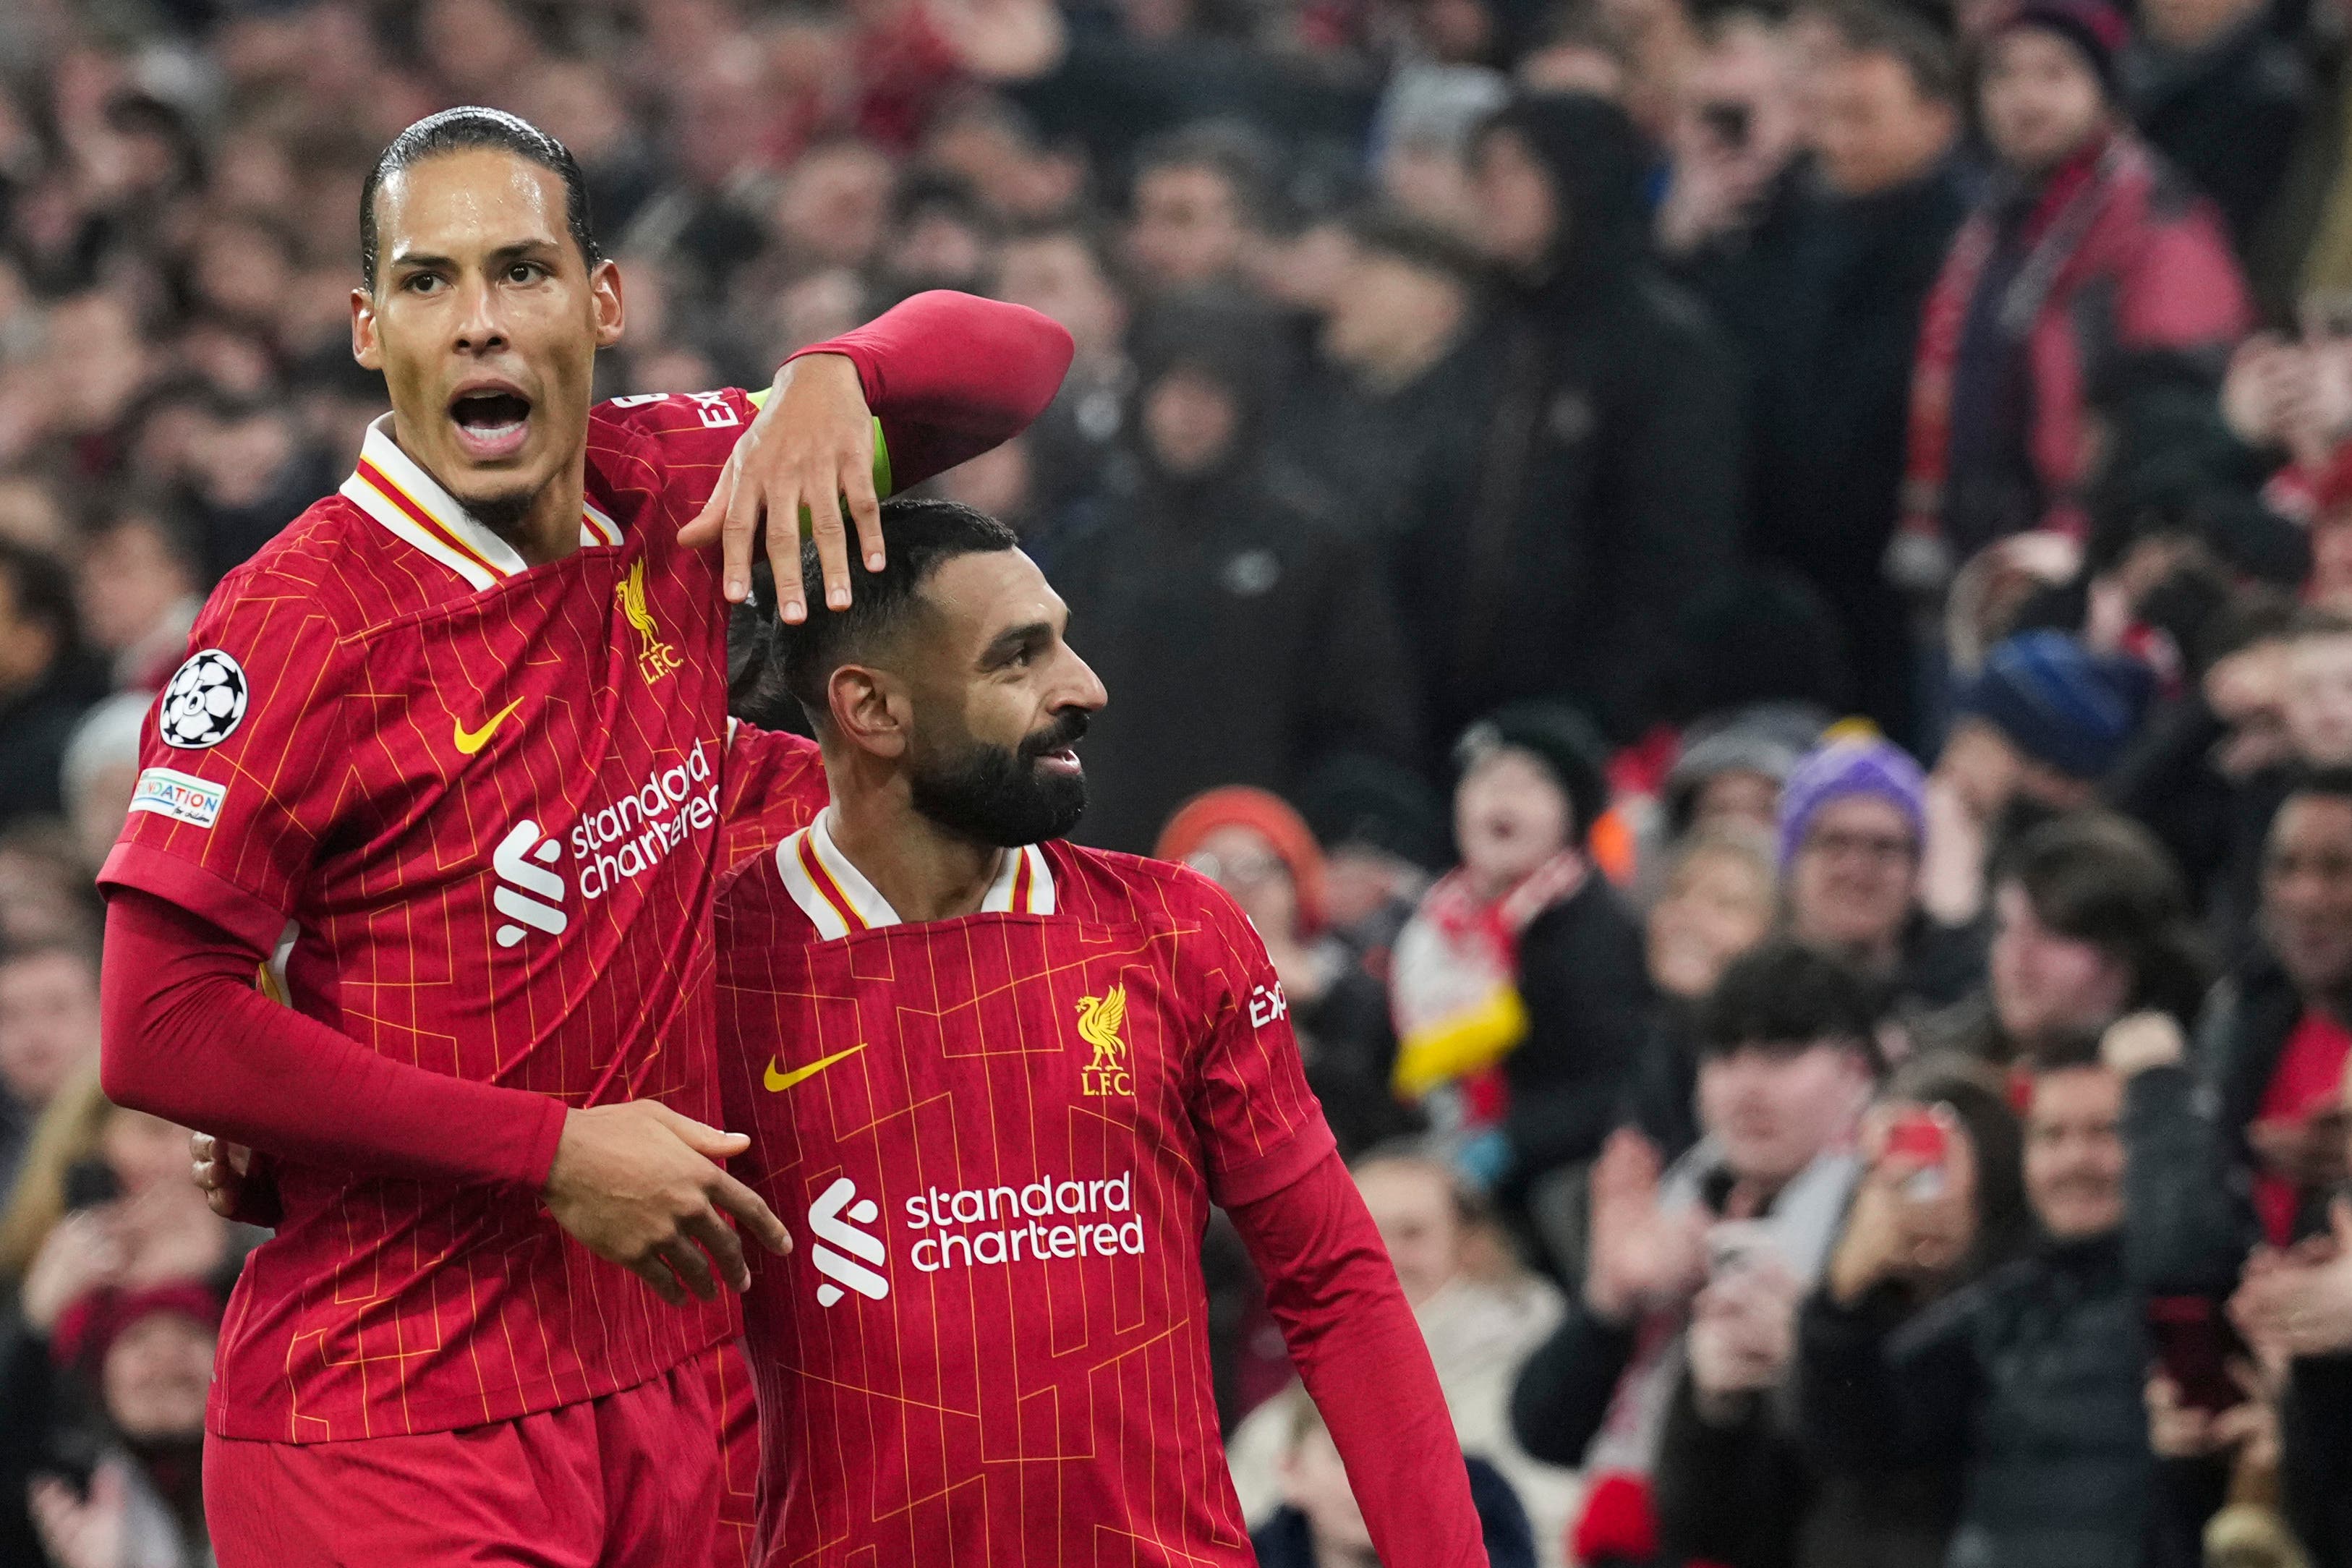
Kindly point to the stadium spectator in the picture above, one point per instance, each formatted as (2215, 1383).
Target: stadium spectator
(48, 1036)
(1730, 770)
(1248, 636)
(1517, 987)
(138, 591)
(1063, 271)
(2086, 247)
(1387, 415)
(1789, 1061)
(45, 681)
(2032, 1378)
(149, 1355)
(1199, 208)
(1607, 499)
(1720, 898)
(1737, 131)
(2033, 734)
(101, 772)
(2274, 1044)
(1253, 845)
(2223, 97)
(1822, 302)
(1733, 1483)
(1853, 833)
(1319, 1524)
(2089, 922)
(1481, 1313)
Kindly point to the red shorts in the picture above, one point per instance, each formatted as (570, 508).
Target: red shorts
(736, 1401)
(630, 1480)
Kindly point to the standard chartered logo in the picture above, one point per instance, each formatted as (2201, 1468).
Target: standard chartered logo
(1046, 1219)
(977, 1227)
(836, 1236)
(527, 892)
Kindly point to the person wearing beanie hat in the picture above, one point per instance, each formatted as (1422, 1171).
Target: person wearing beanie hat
(147, 1353)
(2087, 249)
(1252, 843)
(1517, 989)
(1854, 841)
(2063, 715)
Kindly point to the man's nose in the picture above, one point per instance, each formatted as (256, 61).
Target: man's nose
(479, 328)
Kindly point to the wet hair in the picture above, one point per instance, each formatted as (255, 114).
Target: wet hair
(2096, 877)
(923, 534)
(463, 129)
(1786, 997)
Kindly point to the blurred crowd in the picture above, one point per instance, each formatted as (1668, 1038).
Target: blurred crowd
(1754, 596)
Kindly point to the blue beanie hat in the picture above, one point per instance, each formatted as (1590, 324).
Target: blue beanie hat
(1851, 765)
(2061, 704)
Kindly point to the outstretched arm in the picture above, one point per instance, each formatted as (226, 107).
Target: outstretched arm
(1353, 1337)
(944, 376)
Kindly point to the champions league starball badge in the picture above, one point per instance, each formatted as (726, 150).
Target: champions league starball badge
(204, 701)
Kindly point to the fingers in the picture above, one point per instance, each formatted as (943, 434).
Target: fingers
(655, 1270)
(753, 1213)
(726, 1248)
(831, 538)
(865, 506)
(737, 533)
(703, 1139)
(704, 530)
(687, 1261)
(785, 553)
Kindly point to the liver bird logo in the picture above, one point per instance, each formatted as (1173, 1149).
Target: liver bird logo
(1101, 1020)
(655, 657)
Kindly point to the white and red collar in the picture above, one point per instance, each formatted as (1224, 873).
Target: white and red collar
(838, 899)
(390, 487)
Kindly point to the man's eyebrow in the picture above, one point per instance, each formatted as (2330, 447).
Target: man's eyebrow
(520, 248)
(1014, 640)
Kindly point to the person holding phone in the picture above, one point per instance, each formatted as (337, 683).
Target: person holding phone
(2029, 1380)
(1942, 1189)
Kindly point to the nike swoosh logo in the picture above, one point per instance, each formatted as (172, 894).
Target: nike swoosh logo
(472, 740)
(778, 1080)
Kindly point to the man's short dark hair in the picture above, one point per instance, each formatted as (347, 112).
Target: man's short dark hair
(1249, 162)
(2329, 783)
(1785, 996)
(1420, 245)
(1884, 27)
(922, 534)
(2100, 878)
(43, 591)
(463, 129)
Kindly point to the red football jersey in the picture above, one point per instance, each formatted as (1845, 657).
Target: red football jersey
(772, 786)
(474, 806)
(997, 1138)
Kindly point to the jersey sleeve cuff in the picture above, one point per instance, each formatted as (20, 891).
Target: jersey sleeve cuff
(861, 355)
(1276, 1169)
(538, 1152)
(201, 893)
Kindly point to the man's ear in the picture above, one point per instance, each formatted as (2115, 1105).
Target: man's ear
(604, 289)
(869, 708)
(364, 346)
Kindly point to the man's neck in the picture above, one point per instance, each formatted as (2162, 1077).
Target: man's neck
(548, 528)
(921, 871)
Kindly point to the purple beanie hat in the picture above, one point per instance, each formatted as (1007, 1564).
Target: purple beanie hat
(1848, 766)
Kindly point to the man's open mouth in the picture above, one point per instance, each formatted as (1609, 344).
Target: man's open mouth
(491, 423)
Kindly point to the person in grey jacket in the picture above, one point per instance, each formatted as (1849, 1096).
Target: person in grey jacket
(2032, 1380)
